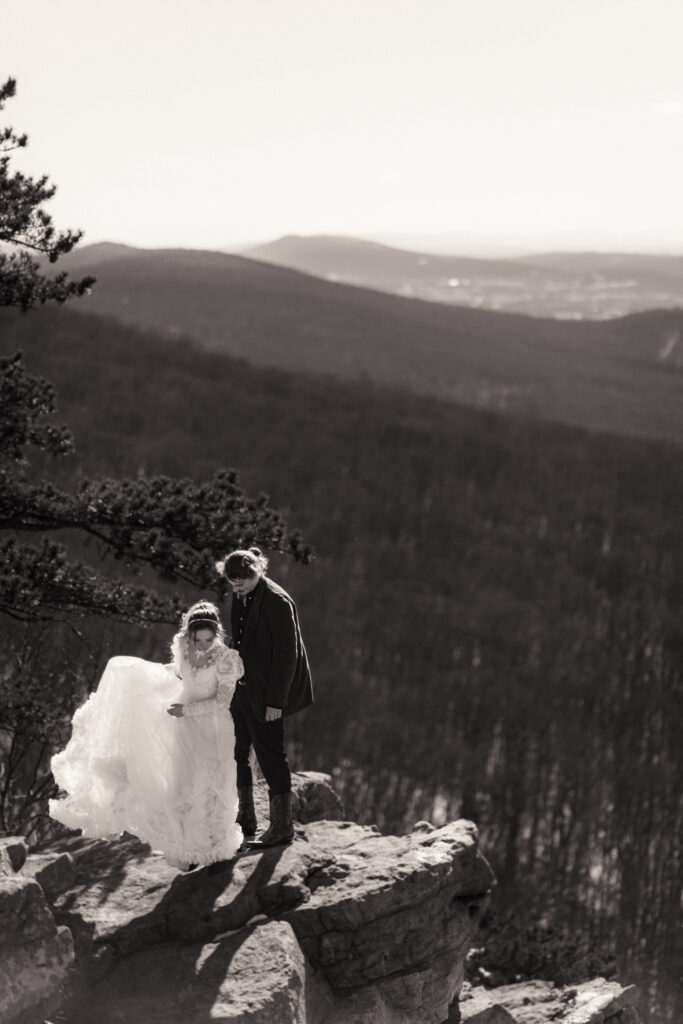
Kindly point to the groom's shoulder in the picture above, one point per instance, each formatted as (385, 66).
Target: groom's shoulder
(277, 592)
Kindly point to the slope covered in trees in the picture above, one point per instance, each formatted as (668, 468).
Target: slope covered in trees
(623, 375)
(493, 617)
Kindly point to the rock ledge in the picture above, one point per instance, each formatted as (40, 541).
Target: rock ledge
(344, 926)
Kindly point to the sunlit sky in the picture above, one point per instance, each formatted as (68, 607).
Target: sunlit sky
(470, 125)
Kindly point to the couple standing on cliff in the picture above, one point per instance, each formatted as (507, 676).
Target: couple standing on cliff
(163, 751)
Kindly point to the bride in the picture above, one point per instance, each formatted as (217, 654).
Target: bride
(152, 750)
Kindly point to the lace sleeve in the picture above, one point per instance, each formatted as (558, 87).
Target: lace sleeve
(229, 666)
(221, 702)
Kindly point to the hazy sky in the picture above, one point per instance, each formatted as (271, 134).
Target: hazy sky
(203, 123)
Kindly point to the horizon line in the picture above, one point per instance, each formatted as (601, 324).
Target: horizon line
(483, 251)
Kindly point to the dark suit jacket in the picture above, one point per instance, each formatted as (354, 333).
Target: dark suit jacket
(276, 670)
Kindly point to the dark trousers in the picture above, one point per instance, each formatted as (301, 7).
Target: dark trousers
(268, 741)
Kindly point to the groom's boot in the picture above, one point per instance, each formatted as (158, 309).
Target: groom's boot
(246, 814)
(281, 829)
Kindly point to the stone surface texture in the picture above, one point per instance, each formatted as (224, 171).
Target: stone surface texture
(255, 975)
(478, 1006)
(35, 954)
(343, 926)
(391, 916)
(54, 871)
(313, 799)
(591, 1002)
(13, 853)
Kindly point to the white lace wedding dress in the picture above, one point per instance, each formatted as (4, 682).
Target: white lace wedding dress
(131, 767)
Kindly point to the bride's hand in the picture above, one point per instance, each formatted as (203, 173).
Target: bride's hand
(176, 710)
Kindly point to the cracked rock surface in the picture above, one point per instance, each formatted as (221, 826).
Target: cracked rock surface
(342, 925)
(35, 953)
(351, 909)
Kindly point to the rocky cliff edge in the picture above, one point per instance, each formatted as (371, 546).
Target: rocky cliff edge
(344, 926)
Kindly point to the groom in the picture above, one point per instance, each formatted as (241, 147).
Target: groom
(276, 684)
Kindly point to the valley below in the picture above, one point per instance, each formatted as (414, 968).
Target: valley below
(493, 615)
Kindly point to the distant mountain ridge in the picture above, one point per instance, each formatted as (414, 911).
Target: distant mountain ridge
(567, 285)
(619, 375)
(614, 263)
(86, 256)
(326, 255)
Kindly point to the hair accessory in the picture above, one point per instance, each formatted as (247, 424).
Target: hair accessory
(203, 614)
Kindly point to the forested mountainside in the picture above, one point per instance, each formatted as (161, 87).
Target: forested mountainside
(622, 375)
(493, 618)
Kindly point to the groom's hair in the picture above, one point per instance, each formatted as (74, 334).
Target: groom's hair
(243, 564)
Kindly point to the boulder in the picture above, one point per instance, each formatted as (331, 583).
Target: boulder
(343, 926)
(313, 799)
(54, 872)
(374, 927)
(256, 976)
(477, 1006)
(13, 852)
(35, 954)
(386, 904)
(591, 1002)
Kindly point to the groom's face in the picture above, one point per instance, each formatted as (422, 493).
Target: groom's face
(242, 587)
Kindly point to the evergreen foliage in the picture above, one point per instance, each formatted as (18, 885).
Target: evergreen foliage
(26, 229)
(175, 527)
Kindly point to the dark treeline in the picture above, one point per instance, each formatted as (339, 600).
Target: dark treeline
(493, 620)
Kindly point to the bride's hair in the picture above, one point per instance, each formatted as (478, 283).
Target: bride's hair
(202, 615)
(243, 564)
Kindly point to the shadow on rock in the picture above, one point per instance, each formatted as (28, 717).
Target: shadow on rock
(183, 936)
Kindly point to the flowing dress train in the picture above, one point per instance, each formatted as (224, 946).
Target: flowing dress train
(131, 767)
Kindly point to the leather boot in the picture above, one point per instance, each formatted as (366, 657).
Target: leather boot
(281, 829)
(246, 814)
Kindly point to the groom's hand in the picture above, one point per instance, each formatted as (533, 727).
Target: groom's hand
(272, 714)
